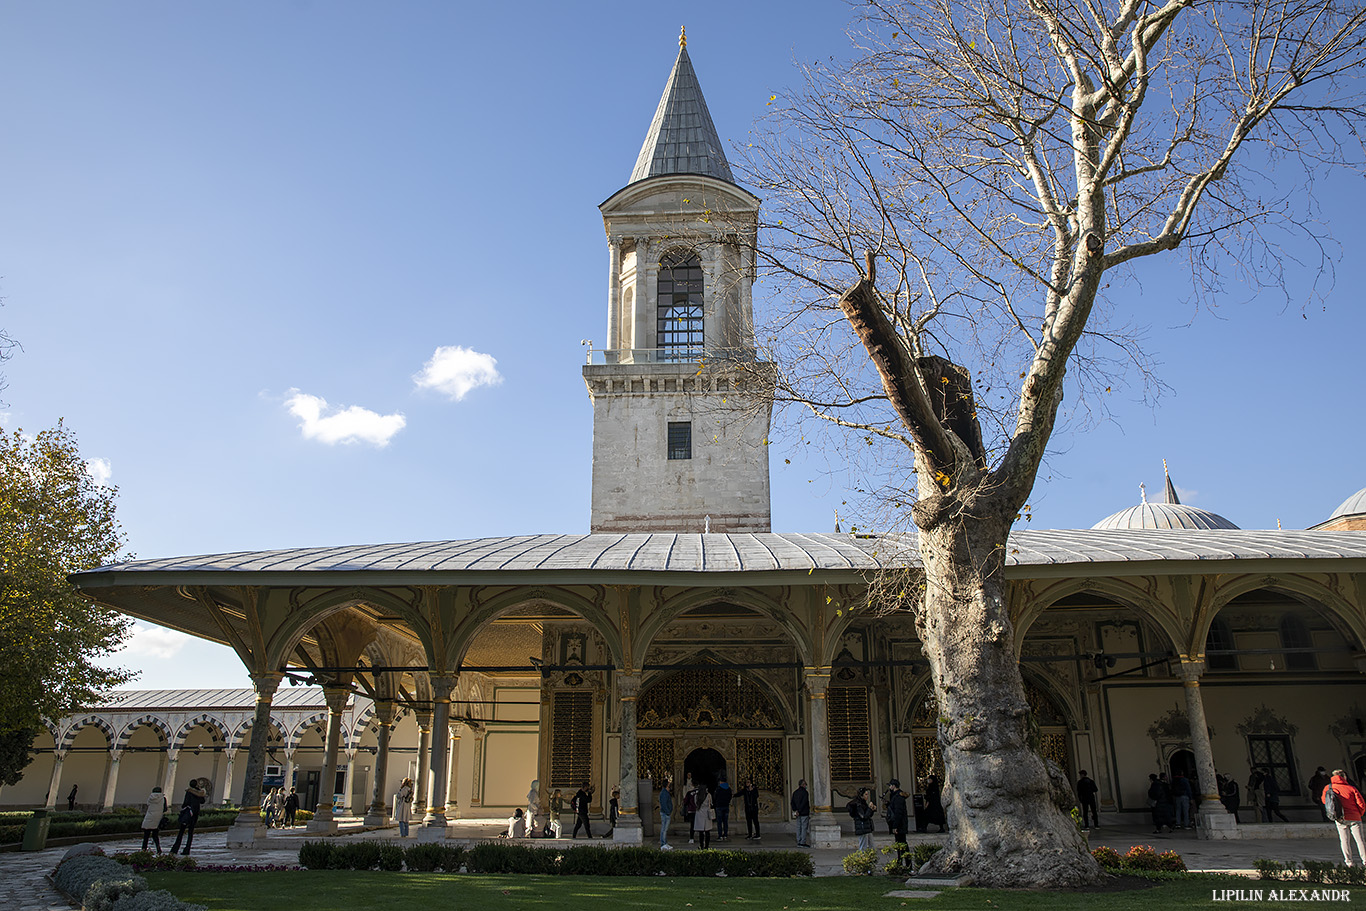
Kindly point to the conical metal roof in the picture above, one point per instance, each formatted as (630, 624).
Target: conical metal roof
(682, 138)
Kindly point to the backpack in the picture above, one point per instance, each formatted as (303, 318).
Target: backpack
(690, 802)
(1332, 804)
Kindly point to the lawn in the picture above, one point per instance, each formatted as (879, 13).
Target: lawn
(353, 891)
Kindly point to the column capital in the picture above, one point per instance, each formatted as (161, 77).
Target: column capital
(384, 712)
(266, 684)
(443, 685)
(628, 685)
(424, 721)
(1192, 669)
(817, 682)
(336, 697)
(1359, 663)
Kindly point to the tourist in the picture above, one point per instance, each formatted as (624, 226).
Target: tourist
(934, 809)
(613, 809)
(1254, 793)
(897, 816)
(751, 796)
(1160, 802)
(403, 806)
(1349, 827)
(1228, 795)
(1317, 782)
(151, 821)
(801, 810)
(517, 824)
(533, 807)
(666, 809)
(583, 797)
(291, 806)
(1181, 797)
(1271, 796)
(1086, 799)
(721, 805)
(701, 820)
(861, 808)
(71, 798)
(555, 826)
(689, 802)
(195, 794)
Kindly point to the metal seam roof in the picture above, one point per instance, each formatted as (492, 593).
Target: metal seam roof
(682, 138)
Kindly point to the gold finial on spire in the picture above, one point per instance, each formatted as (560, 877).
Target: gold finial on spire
(1165, 470)
(683, 36)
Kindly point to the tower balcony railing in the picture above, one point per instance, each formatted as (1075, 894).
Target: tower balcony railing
(678, 355)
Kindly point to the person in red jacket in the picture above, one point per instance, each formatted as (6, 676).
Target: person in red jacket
(1349, 827)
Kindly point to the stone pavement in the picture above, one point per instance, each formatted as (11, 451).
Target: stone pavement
(23, 887)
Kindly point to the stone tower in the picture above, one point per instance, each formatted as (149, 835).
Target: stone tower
(681, 404)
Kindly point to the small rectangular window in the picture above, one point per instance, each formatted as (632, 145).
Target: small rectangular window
(680, 439)
(1274, 751)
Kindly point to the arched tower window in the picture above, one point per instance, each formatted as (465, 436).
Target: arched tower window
(679, 333)
(1295, 634)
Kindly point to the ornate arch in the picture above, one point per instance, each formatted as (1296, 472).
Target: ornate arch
(1295, 587)
(700, 701)
(690, 599)
(156, 723)
(235, 741)
(485, 612)
(70, 734)
(305, 616)
(301, 727)
(1121, 591)
(202, 720)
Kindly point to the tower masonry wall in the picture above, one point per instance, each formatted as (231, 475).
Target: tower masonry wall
(637, 488)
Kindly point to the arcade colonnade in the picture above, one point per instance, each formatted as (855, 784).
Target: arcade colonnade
(627, 654)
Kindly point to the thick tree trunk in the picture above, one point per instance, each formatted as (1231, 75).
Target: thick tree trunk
(1006, 830)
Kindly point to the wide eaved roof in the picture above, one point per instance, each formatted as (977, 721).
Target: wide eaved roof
(584, 555)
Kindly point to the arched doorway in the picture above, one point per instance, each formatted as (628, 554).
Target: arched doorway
(706, 766)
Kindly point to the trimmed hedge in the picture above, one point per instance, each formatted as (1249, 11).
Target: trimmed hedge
(1141, 858)
(580, 860)
(67, 825)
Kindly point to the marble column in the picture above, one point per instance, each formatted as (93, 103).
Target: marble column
(111, 781)
(248, 828)
(224, 795)
(613, 293)
(452, 790)
(628, 830)
(825, 829)
(55, 782)
(434, 823)
(1214, 821)
(379, 801)
(422, 786)
(289, 771)
(336, 697)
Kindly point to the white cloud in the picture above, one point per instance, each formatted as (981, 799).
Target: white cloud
(346, 425)
(149, 641)
(455, 370)
(100, 471)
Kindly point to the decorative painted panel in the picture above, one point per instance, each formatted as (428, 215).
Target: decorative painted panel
(705, 699)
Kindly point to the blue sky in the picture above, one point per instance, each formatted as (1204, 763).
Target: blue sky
(218, 216)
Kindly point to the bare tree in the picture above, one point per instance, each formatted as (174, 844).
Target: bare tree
(1004, 160)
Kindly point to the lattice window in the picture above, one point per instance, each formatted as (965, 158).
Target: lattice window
(705, 699)
(1274, 751)
(1053, 745)
(851, 747)
(679, 329)
(655, 758)
(571, 745)
(760, 758)
(928, 760)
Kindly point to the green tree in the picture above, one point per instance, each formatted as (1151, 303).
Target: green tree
(55, 519)
(1003, 162)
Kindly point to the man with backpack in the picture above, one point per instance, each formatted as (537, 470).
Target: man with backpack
(1343, 804)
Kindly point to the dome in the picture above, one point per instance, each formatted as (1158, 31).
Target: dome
(1352, 506)
(1165, 515)
(1171, 514)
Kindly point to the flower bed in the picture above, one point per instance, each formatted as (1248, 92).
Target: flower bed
(1141, 858)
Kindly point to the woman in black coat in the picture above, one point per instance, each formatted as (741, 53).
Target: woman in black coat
(751, 797)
